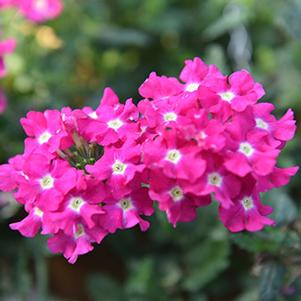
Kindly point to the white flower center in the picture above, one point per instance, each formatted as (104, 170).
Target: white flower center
(261, 124)
(93, 115)
(43, 138)
(76, 203)
(215, 179)
(79, 231)
(203, 135)
(176, 193)
(40, 4)
(47, 182)
(247, 203)
(246, 148)
(173, 156)
(115, 124)
(118, 168)
(192, 87)
(38, 212)
(125, 204)
(227, 96)
(170, 116)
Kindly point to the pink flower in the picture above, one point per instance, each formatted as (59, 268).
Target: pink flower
(166, 112)
(46, 179)
(46, 130)
(197, 73)
(86, 173)
(78, 244)
(6, 47)
(111, 122)
(249, 148)
(236, 92)
(118, 166)
(247, 213)
(216, 179)
(171, 194)
(31, 224)
(125, 212)
(277, 178)
(160, 87)
(40, 10)
(176, 157)
(282, 129)
(79, 206)
(7, 3)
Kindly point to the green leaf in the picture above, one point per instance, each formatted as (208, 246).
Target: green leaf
(229, 20)
(204, 262)
(102, 287)
(140, 276)
(271, 281)
(290, 18)
(285, 209)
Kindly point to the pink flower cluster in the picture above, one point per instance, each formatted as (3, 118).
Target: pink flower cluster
(87, 173)
(35, 10)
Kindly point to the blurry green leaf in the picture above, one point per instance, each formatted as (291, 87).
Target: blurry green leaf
(290, 18)
(248, 296)
(102, 287)
(232, 17)
(119, 36)
(140, 276)
(204, 262)
(268, 240)
(216, 55)
(271, 279)
(285, 209)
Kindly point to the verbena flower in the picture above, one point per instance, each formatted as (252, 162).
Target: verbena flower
(87, 173)
(35, 10)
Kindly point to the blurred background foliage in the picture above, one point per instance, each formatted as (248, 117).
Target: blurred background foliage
(117, 43)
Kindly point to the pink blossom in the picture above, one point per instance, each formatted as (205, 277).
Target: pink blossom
(236, 92)
(78, 244)
(7, 3)
(46, 130)
(160, 87)
(180, 205)
(86, 173)
(176, 157)
(46, 179)
(249, 148)
(247, 213)
(118, 166)
(40, 10)
(125, 212)
(110, 123)
(282, 129)
(197, 73)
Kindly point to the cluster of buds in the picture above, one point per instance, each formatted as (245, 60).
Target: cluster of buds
(35, 10)
(86, 173)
